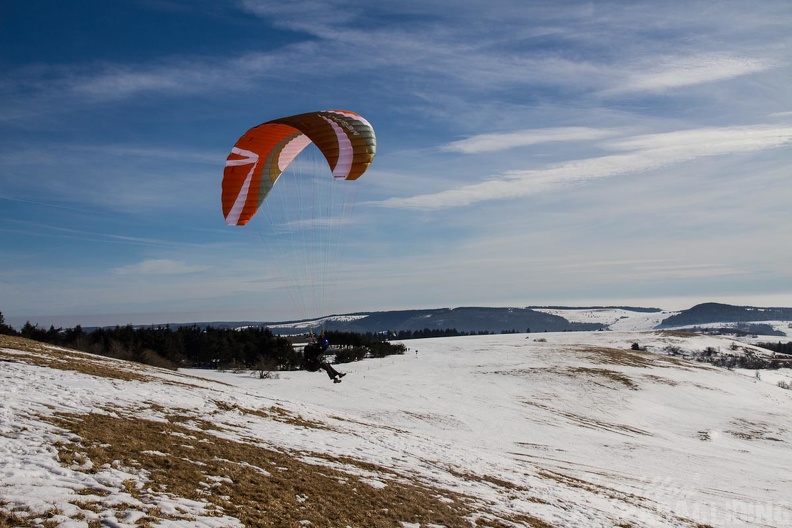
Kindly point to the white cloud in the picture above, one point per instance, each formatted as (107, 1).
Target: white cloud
(302, 15)
(159, 267)
(521, 138)
(647, 152)
(474, 61)
(708, 141)
(676, 72)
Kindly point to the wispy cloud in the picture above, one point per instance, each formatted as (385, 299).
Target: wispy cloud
(647, 152)
(159, 267)
(68, 153)
(37, 229)
(707, 141)
(522, 138)
(119, 177)
(45, 88)
(677, 72)
(304, 15)
(337, 39)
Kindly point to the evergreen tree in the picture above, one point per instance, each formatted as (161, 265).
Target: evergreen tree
(4, 328)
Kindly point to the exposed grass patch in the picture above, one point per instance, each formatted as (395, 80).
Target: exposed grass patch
(498, 482)
(42, 355)
(632, 358)
(606, 374)
(752, 430)
(659, 379)
(612, 494)
(12, 520)
(590, 422)
(51, 356)
(261, 486)
(276, 413)
(615, 356)
(599, 376)
(676, 333)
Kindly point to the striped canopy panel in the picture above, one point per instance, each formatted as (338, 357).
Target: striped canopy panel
(259, 157)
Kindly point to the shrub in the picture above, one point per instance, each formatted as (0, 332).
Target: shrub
(673, 350)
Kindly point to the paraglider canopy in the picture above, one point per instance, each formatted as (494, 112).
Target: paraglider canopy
(314, 157)
(259, 157)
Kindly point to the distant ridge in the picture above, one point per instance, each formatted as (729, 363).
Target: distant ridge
(707, 313)
(465, 319)
(501, 320)
(626, 308)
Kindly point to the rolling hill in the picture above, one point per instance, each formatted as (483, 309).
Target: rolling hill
(553, 429)
(537, 319)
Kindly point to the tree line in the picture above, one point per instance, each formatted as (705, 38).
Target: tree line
(783, 348)
(4, 328)
(197, 347)
(445, 332)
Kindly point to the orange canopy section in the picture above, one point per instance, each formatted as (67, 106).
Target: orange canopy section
(259, 157)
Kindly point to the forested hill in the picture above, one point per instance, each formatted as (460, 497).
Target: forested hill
(725, 313)
(466, 319)
(498, 320)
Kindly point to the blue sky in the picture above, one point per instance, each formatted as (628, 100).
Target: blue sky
(529, 153)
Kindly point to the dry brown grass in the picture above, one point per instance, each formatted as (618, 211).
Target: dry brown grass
(755, 430)
(261, 486)
(608, 375)
(615, 356)
(11, 520)
(44, 355)
(609, 378)
(613, 494)
(633, 358)
(659, 379)
(589, 422)
(275, 413)
(676, 333)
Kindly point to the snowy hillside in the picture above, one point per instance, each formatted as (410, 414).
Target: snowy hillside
(555, 429)
(557, 318)
(613, 318)
(623, 320)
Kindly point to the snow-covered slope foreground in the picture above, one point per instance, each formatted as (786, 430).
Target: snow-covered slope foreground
(572, 429)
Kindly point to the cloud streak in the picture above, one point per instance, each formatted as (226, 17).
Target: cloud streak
(679, 72)
(522, 138)
(644, 153)
(159, 267)
(339, 41)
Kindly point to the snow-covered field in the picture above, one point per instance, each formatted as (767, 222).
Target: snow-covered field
(566, 429)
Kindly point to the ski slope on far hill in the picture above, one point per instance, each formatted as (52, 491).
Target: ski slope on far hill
(554, 429)
(617, 319)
